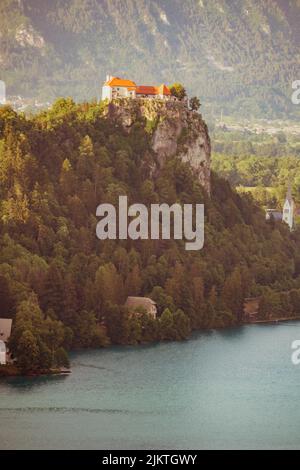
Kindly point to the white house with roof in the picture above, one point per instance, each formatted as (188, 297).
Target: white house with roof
(116, 87)
(5, 332)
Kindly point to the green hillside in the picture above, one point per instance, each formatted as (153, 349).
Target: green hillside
(66, 289)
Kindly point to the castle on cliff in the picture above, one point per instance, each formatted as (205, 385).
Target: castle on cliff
(116, 87)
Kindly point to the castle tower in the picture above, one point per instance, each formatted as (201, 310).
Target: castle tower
(288, 208)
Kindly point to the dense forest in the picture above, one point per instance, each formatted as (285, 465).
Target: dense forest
(66, 289)
(261, 164)
(241, 56)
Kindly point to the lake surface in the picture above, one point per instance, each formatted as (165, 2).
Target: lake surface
(228, 389)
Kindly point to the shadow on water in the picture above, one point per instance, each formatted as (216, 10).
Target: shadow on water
(110, 351)
(90, 366)
(232, 333)
(28, 383)
(76, 410)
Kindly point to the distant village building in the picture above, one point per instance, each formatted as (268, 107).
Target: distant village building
(5, 332)
(140, 305)
(116, 87)
(288, 213)
(273, 214)
(289, 209)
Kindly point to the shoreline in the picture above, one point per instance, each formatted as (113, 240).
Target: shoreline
(12, 370)
(272, 320)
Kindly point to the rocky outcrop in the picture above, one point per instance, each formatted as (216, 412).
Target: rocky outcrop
(175, 130)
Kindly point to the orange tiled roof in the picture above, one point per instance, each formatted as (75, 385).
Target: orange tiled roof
(153, 90)
(164, 90)
(146, 90)
(116, 81)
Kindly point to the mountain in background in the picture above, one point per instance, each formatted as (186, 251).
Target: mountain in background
(239, 57)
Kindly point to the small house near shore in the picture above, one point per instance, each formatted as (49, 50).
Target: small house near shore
(251, 308)
(139, 305)
(5, 332)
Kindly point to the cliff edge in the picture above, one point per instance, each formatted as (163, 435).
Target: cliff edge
(174, 130)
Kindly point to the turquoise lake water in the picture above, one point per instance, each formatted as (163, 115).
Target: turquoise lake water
(221, 390)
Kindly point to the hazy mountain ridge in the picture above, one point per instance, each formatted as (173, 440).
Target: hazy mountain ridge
(240, 56)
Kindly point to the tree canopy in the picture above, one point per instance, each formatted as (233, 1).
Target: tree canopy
(66, 289)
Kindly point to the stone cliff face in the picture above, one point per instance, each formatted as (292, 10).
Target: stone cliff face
(175, 130)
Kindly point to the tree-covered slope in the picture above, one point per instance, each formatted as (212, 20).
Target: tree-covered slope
(66, 289)
(241, 57)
